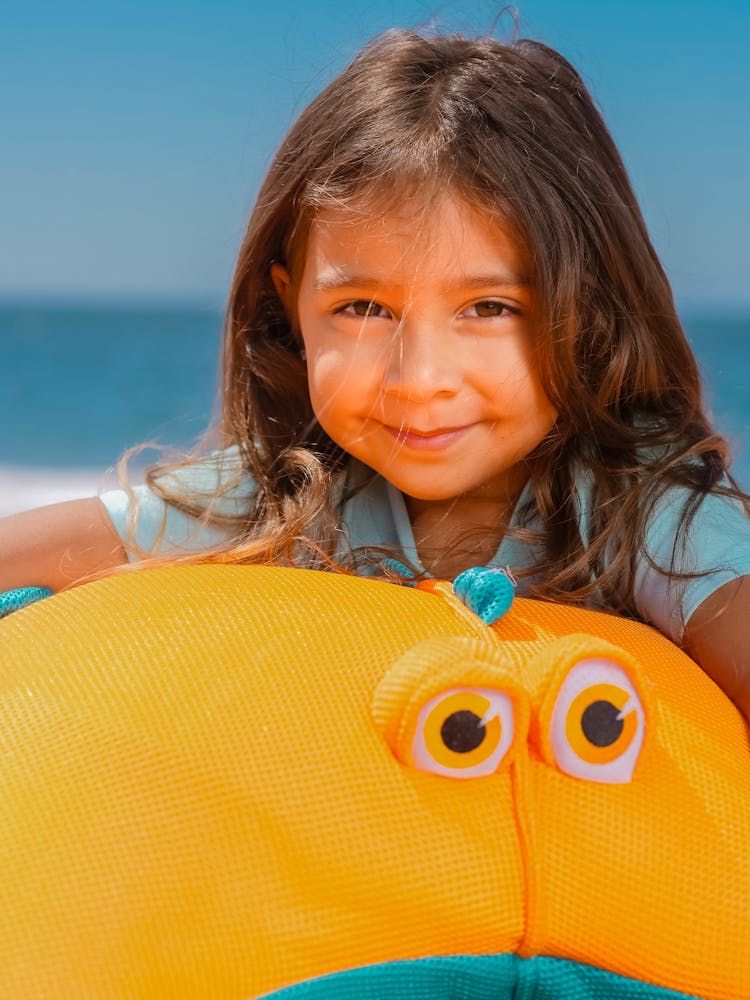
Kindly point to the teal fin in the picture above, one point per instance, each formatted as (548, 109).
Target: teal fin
(476, 977)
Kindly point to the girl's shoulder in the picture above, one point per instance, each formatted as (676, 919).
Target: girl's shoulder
(693, 545)
(153, 519)
(217, 477)
(196, 505)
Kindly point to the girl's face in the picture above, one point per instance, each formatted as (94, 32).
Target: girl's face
(419, 347)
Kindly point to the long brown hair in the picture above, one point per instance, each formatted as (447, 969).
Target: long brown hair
(510, 127)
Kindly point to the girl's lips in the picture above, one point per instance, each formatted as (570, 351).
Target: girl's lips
(434, 440)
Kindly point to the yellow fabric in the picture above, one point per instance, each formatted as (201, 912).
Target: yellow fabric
(208, 791)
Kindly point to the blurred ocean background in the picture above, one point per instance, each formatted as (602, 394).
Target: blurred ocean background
(80, 384)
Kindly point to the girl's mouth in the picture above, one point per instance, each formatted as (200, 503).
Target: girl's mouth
(434, 439)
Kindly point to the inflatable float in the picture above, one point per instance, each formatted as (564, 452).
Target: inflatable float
(238, 781)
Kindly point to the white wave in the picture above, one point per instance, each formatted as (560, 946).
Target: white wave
(24, 488)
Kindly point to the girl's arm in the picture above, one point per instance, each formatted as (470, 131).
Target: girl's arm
(55, 546)
(717, 636)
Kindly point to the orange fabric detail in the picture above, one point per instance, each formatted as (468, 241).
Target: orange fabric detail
(429, 668)
(549, 668)
(196, 800)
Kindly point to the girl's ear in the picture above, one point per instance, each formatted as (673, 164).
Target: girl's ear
(282, 281)
(287, 293)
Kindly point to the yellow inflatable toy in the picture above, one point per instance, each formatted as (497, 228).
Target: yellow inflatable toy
(221, 782)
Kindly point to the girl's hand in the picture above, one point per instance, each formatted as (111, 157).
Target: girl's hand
(56, 546)
(718, 638)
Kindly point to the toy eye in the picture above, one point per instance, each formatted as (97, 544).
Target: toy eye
(463, 732)
(597, 724)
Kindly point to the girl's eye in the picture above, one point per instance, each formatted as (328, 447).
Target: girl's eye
(365, 308)
(489, 308)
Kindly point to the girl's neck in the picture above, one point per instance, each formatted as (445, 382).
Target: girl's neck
(452, 535)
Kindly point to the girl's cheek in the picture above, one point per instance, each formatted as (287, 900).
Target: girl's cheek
(335, 378)
(328, 363)
(333, 363)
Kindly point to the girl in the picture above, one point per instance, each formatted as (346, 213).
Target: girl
(449, 341)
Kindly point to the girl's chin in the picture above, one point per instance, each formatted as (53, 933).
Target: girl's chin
(438, 492)
(502, 491)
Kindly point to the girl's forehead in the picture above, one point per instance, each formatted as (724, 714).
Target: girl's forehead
(408, 217)
(446, 225)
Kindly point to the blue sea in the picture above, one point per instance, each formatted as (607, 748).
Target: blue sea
(80, 384)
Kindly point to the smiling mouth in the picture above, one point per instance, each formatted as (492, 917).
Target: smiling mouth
(428, 440)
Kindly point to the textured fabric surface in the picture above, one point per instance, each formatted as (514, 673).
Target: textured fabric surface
(220, 781)
(488, 592)
(470, 977)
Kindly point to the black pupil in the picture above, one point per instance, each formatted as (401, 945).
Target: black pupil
(462, 731)
(600, 724)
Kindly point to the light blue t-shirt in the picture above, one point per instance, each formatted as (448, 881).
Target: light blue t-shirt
(375, 515)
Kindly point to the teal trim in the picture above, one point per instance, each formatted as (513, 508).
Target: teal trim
(476, 977)
(14, 600)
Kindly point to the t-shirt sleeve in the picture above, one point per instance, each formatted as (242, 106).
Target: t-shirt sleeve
(145, 521)
(716, 547)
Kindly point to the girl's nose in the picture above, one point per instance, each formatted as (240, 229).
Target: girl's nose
(422, 363)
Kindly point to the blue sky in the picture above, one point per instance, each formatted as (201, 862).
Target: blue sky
(134, 135)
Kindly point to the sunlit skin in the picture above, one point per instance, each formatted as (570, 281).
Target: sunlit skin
(418, 337)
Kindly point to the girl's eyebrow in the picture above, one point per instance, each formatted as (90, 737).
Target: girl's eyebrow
(339, 278)
(498, 279)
